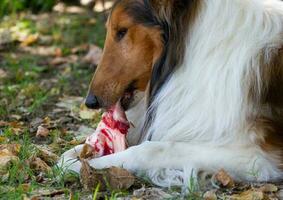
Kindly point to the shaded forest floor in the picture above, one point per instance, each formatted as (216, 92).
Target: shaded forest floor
(46, 63)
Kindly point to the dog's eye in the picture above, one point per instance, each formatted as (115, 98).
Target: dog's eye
(121, 33)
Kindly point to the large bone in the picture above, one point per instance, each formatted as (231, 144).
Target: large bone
(110, 135)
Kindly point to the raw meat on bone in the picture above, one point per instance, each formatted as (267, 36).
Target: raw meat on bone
(110, 135)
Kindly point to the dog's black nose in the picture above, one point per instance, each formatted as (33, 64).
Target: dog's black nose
(92, 101)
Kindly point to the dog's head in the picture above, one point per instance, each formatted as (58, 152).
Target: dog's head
(139, 51)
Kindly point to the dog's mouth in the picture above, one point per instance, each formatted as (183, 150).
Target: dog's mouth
(128, 97)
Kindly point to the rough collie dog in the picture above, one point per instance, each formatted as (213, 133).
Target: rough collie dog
(211, 73)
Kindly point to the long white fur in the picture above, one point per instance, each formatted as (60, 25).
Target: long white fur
(202, 112)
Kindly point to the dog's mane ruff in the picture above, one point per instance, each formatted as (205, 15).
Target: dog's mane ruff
(207, 95)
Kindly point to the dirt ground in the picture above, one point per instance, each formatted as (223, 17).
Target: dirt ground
(46, 63)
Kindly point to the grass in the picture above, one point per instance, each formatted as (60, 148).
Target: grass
(12, 6)
(31, 89)
(18, 171)
(193, 189)
(25, 70)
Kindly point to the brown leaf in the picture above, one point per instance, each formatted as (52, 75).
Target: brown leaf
(268, 188)
(59, 61)
(47, 121)
(6, 160)
(25, 187)
(13, 149)
(8, 154)
(29, 40)
(151, 193)
(248, 195)
(46, 155)
(16, 117)
(115, 178)
(3, 74)
(224, 179)
(58, 52)
(86, 113)
(63, 60)
(81, 48)
(120, 179)
(94, 55)
(3, 123)
(38, 165)
(16, 127)
(87, 177)
(42, 132)
(41, 193)
(210, 195)
(87, 152)
(2, 139)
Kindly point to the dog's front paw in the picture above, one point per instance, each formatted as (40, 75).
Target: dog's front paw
(69, 160)
(106, 162)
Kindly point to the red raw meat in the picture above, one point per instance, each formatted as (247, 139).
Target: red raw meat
(110, 135)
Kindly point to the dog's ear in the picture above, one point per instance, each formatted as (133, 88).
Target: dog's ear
(174, 17)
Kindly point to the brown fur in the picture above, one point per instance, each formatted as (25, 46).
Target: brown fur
(151, 50)
(269, 126)
(127, 61)
(270, 138)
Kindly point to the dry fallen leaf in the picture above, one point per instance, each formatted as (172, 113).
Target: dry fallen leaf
(3, 123)
(248, 195)
(38, 165)
(268, 188)
(86, 113)
(63, 60)
(94, 55)
(210, 195)
(6, 160)
(2, 139)
(224, 179)
(8, 154)
(79, 49)
(46, 194)
(16, 127)
(59, 61)
(120, 178)
(25, 187)
(58, 52)
(46, 155)
(152, 193)
(14, 149)
(87, 177)
(3, 74)
(87, 152)
(47, 121)
(16, 117)
(42, 132)
(115, 178)
(30, 39)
